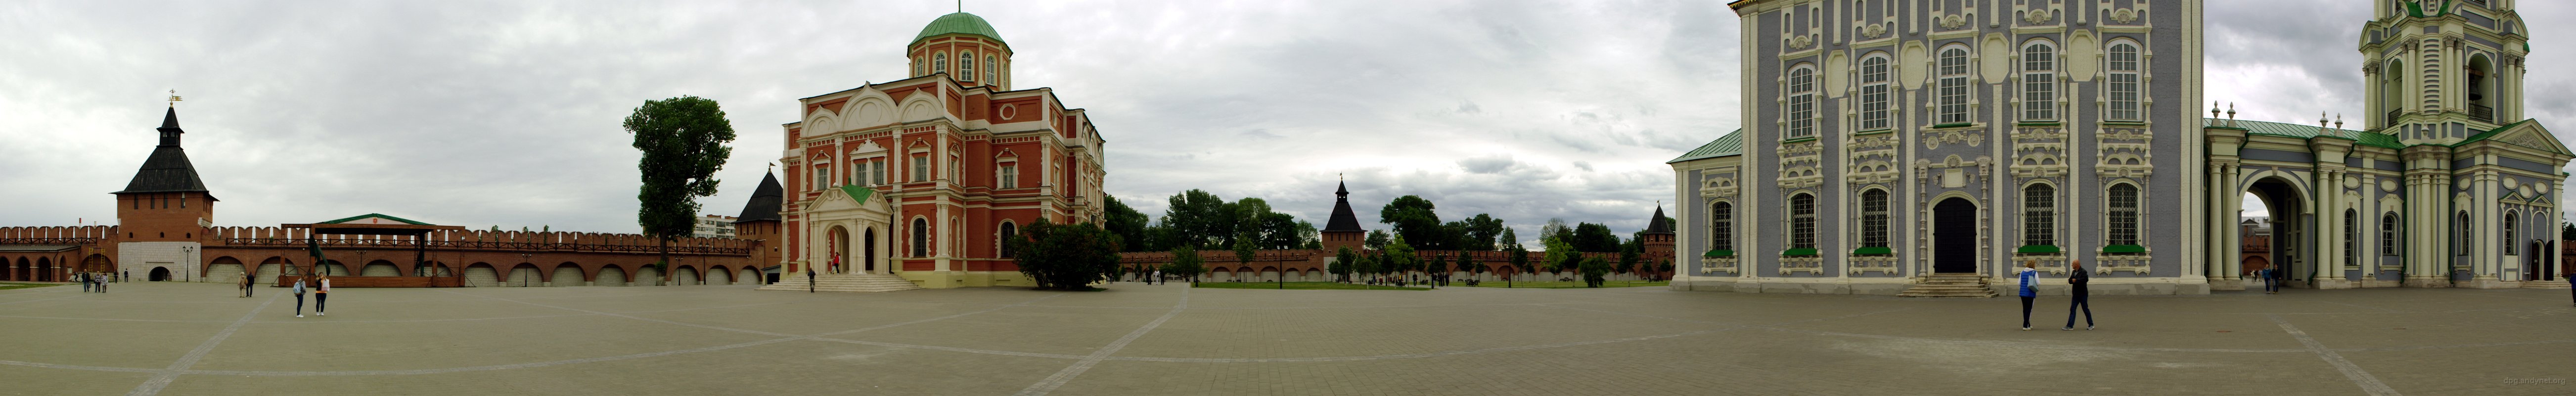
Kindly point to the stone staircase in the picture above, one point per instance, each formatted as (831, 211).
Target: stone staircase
(1950, 285)
(843, 283)
(2547, 284)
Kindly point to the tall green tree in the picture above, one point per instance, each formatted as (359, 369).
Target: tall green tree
(1376, 240)
(683, 144)
(1628, 255)
(1521, 260)
(1307, 237)
(1439, 265)
(1467, 263)
(1243, 249)
(1481, 232)
(1129, 225)
(1186, 262)
(1595, 238)
(1343, 261)
(1065, 256)
(1399, 256)
(1412, 218)
(1201, 219)
(1593, 268)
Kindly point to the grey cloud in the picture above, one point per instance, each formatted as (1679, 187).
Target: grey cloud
(1488, 165)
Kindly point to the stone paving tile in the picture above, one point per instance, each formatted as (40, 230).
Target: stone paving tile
(1131, 341)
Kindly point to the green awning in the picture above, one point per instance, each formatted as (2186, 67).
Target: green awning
(2124, 249)
(1719, 253)
(2037, 249)
(1799, 252)
(1873, 250)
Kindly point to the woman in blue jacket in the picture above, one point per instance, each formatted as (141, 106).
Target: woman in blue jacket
(2029, 283)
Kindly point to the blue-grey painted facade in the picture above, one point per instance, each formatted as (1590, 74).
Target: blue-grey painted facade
(2371, 207)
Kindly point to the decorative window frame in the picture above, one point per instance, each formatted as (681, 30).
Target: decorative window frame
(2038, 99)
(1799, 110)
(1726, 262)
(991, 69)
(939, 63)
(1886, 226)
(2056, 213)
(1002, 234)
(919, 237)
(1789, 225)
(1877, 98)
(2137, 74)
(965, 65)
(1953, 108)
(2138, 222)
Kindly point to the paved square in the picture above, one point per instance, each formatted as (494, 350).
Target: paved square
(195, 339)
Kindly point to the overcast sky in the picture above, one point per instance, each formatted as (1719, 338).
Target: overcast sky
(506, 112)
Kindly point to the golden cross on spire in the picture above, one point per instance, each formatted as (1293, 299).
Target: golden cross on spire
(174, 98)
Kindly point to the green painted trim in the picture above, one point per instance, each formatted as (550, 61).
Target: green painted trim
(404, 220)
(1799, 252)
(2124, 249)
(2036, 249)
(2041, 123)
(1874, 132)
(1803, 139)
(1719, 253)
(1954, 125)
(1873, 250)
(2138, 123)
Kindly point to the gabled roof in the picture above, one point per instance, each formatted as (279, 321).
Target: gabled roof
(765, 200)
(167, 169)
(1730, 144)
(1659, 224)
(382, 220)
(1342, 219)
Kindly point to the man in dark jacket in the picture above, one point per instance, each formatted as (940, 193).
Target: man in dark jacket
(2077, 281)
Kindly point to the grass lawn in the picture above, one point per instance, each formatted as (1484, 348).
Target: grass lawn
(1564, 285)
(7, 286)
(1301, 286)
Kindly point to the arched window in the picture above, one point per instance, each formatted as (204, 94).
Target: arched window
(2123, 201)
(1802, 221)
(939, 62)
(2039, 81)
(920, 67)
(1954, 84)
(1873, 218)
(2508, 233)
(2039, 215)
(1010, 233)
(1802, 102)
(2478, 72)
(920, 238)
(2392, 91)
(2124, 81)
(990, 68)
(2388, 234)
(2352, 237)
(1874, 92)
(2463, 238)
(966, 66)
(1721, 232)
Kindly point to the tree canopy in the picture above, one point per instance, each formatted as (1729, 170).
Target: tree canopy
(1068, 257)
(1129, 225)
(683, 145)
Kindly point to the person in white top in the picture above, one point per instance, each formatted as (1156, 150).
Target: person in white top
(322, 294)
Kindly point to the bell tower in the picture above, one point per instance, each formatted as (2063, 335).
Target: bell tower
(2439, 71)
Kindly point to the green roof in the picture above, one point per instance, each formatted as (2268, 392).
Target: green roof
(1730, 144)
(2311, 131)
(378, 215)
(958, 23)
(858, 193)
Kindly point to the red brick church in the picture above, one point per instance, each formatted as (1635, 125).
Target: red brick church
(917, 180)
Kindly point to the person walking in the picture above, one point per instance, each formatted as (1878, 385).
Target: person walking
(322, 295)
(245, 286)
(2081, 297)
(299, 296)
(83, 279)
(2029, 289)
(809, 279)
(2268, 286)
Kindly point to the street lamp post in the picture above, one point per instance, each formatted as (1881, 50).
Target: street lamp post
(523, 258)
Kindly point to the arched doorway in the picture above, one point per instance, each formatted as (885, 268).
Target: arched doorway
(2532, 261)
(1954, 236)
(45, 270)
(2287, 209)
(836, 246)
(160, 274)
(868, 250)
(98, 263)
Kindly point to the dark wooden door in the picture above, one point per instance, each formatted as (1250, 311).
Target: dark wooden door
(1954, 236)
